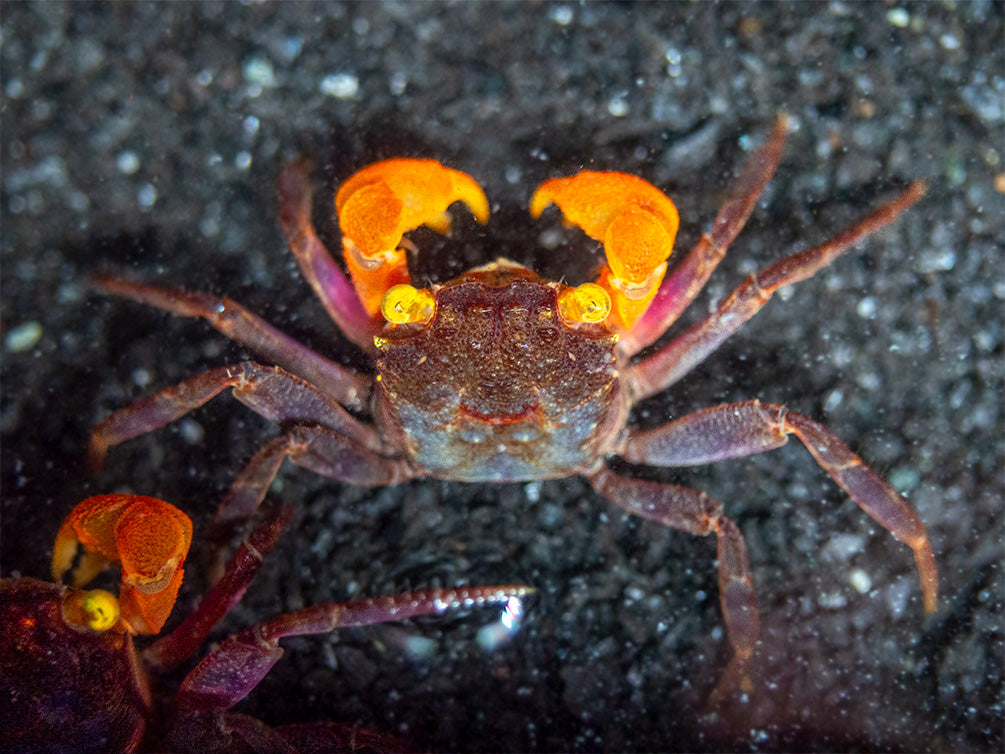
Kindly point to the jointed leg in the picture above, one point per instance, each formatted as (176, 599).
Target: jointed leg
(320, 449)
(740, 429)
(233, 320)
(242, 661)
(693, 511)
(168, 651)
(330, 284)
(269, 391)
(687, 279)
(661, 370)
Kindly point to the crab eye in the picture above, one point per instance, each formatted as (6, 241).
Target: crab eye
(403, 303)
(584, 303)
(95, 609)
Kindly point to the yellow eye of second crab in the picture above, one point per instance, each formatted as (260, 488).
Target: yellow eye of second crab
(95, 609)
(403, 303)
(584, 303)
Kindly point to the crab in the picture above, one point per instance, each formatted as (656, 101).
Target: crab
(501, 375)
(71, 678)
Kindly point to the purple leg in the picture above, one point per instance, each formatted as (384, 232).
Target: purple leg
(229, 674)
(659, 371)
(168, 651)
(693, 511)
(326, 278)
(350, 389)
(740, 429)
(269, 391)
(687, 279)
(317, 448)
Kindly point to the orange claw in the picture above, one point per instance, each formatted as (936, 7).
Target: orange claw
(634, 220)
(381, 203)
(149, 537)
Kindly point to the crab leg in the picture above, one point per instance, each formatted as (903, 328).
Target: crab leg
(330, 284)
(320, 449)
(269, 391)
(242, 661)
(168, 651)
(687, 279)
(693, 511)
(233, 320)
(659, 371)
(739, 429)
(382, 202)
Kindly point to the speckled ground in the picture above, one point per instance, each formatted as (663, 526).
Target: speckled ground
(144, 139)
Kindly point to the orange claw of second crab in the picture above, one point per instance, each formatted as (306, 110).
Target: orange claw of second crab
(149, 537)
(381, 203)
(637, 224)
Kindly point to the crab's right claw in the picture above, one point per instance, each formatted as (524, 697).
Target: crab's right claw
(381, 203)
(148, 536)
(637, 224)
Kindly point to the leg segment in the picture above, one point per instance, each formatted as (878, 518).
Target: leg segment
(320, 449)
(740, 429)
(330, 284)
(661, 370)
(242, 661)
(269, 391)
(233, 320)
(693, 511)
(168, 651)
(689, 277)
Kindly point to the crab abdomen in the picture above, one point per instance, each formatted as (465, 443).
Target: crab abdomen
(497, 387)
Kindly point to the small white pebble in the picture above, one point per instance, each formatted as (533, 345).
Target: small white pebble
(949, 42)
(260, 71)
(533, 491)
(617, 106)
(147, 196)
(860, 580)
(420, 647)
(398, 83)
(340, 85)
(191, 431)
(251, 125)
(24, 337)
(866, 308)
(560, 14)
(898, 17)
(127, 162)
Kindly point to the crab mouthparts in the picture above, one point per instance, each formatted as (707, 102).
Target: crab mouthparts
(527, 413)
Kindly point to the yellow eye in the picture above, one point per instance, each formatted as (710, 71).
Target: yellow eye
(95, 609)
(584, 303)
(403, 304)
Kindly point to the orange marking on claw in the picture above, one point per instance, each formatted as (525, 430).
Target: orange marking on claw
(382, 202)
(636, 222)
(149, 537)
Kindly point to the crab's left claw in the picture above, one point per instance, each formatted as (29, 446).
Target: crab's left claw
(149, 537)
(381, 203)
(637, 224)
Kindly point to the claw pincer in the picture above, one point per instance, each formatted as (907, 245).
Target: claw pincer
(148, 537)
(637, 224)
(381, 203)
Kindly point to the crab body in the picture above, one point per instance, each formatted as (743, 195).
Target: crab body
(72, 678)
(497, 386)
(501, 375)
(67, 689)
